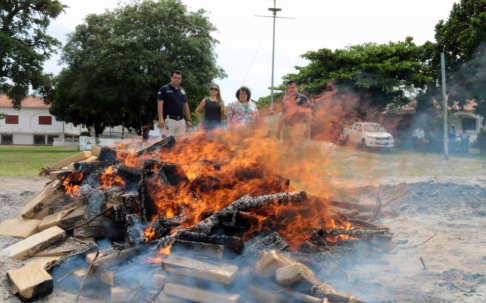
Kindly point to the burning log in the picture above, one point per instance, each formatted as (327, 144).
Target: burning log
(130, 175)
(199, 295)
(34, 244)
(148, 208)
(166, 143)
(107, 155)
(271, 242)
(214, 271)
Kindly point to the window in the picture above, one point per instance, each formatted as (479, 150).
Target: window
(469, 124)
(40, 139)
(7, 139)
(45, 120)
(12, 119)
(50, 139)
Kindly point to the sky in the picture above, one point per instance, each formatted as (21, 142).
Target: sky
(245, 48)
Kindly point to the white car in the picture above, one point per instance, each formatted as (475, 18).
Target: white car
(368, 134)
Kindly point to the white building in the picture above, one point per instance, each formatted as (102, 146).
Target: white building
(33, 124)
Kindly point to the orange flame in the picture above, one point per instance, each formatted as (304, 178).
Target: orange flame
(72, 189)
(109, 178)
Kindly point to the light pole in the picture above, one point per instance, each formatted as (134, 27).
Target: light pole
(273, 9)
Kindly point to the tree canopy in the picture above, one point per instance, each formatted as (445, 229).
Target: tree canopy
(463, 40)
(380, 74)
(116, 62)
(24, 45)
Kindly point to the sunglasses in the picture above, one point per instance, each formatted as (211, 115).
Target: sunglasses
(214, 88)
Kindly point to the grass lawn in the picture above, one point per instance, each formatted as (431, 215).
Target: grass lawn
(22, 161)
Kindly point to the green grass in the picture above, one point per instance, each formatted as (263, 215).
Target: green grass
(23, 161)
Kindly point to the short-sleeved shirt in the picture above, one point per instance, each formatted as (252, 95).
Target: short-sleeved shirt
(292, 109)
(174, 100)
(242, 116)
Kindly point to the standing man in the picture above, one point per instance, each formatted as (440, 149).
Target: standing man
(295, 119)
(172, 106)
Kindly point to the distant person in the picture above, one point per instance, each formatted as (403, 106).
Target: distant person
(415, 140)
(464, 142)
(295, 118)
(172, 106)
(213, 109)
(242, 114)
(452, 137)
(421, 138)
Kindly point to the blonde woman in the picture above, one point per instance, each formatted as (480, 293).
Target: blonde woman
(213, 109)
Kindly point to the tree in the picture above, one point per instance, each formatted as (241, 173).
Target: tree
(116, 61)
(24, 45)
(380, 74)
(463, 40)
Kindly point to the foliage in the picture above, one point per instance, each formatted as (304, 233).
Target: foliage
(116, 61)
(24, 45)
(463, 40)
(380, 74)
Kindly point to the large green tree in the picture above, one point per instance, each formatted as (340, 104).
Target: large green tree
(116, 62)
(463, 40)
(379, 74)
(24, 44)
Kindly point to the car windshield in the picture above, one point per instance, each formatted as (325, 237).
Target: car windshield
(374, 128)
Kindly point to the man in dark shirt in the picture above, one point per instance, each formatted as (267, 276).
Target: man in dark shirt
(172, 106)
(295, 118)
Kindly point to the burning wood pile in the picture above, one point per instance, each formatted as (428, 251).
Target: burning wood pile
(174, 222)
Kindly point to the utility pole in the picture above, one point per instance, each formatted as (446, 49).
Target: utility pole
(444, 97)
(273, 9)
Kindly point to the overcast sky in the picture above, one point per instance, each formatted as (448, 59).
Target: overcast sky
(245, 48)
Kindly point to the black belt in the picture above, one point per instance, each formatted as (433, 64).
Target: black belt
(177, 118)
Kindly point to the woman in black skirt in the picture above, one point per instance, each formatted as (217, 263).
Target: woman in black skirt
(213, 109)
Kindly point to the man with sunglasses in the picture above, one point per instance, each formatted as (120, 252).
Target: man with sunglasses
(172, 106)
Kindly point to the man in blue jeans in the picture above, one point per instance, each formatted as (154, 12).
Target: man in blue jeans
(172, 106)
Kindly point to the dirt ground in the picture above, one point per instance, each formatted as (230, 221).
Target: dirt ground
(452, 209)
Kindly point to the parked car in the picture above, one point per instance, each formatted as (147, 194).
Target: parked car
(368, 134)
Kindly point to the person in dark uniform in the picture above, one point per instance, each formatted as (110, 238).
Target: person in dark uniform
(172, 106)
(213, 109)
(295, 118)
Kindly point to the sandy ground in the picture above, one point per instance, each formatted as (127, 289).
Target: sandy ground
(454, 209)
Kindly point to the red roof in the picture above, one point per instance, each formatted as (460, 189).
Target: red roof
(28, 102)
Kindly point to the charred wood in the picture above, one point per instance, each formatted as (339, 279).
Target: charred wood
(107, 155)
(233, 244)
(147, 206)
(117, 258)
(351, 232)
(130, 175)
(166, 143)
(271, 242)
(328, 292)
(197, 249)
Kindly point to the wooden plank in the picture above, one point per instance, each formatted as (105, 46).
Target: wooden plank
(54, 219)
(199, 295)
(31, 281)
(79, 275)
(53, 175)
(213, 271)
(159, 280)
(266, 296)
(19, 228)
(119, 294)
(63, 249)
(70, 219)
(95, 150)
(74, 158)
(198, 249)
(294, 273)
(90, 159)
(33, 196)
(269, 261)
(34, 244)
(39, 205)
